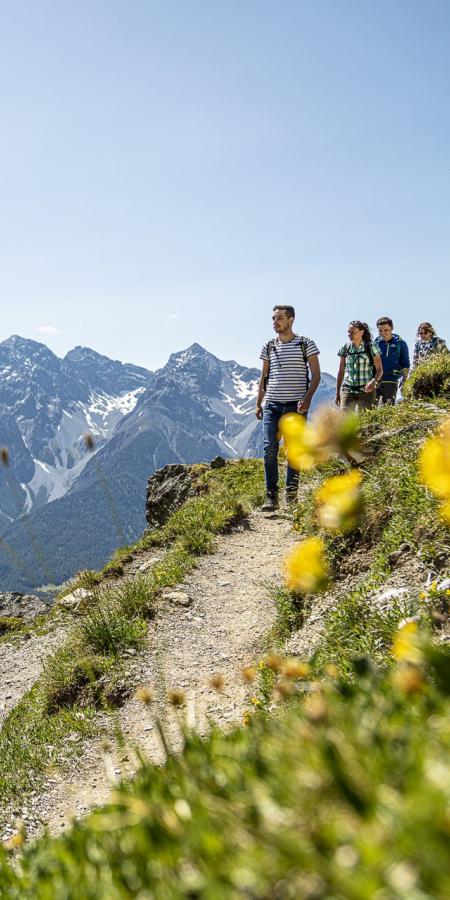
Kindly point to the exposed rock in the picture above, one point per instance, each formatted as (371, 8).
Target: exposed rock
(169, 488)
(22, 606)
(178, 597)
(218, 462)
(72, 601)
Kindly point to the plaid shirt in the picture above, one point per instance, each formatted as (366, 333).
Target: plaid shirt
(358, 367)
(424, 349)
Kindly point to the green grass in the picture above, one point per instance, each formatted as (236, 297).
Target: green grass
(430, 379)
(345, 797)
(32, 740)
(396, 505)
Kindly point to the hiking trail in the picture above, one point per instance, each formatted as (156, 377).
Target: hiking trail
(215, 623)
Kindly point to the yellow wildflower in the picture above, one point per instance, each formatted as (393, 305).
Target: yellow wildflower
(248, 673)
(410, 679)
(434, 462)
(339, 501)
(422, 596)
(306, 568)
(295, 668)
(407, 642)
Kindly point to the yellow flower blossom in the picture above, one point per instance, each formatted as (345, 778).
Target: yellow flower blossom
(406, 646)
(434, 462)
(315, 441)
(409, 679)
(339, 501)
(295, 668)
(306, 568)
(422, 596)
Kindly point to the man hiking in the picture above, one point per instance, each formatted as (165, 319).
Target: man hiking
(394, 359)
(289, 379)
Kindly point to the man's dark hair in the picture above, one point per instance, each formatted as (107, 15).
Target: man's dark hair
(385, 320)
(289, 310)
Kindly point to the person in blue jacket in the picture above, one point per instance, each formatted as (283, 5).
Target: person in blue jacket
(394, 359)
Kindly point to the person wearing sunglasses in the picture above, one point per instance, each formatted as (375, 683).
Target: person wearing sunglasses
(360, 369)
(427, 343)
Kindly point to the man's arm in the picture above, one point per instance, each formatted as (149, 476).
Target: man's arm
(404, 360)
(261, 391)
(339, 380)
(314, 366)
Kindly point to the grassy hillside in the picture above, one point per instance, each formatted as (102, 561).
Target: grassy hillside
(337, 788)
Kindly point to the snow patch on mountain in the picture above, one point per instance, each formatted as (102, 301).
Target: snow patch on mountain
(67, 448)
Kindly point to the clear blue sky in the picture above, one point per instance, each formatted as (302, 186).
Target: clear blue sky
(169, 170)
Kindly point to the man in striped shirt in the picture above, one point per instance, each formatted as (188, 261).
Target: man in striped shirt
(287, 386)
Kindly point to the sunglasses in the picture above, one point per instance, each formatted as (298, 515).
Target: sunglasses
(425, 331)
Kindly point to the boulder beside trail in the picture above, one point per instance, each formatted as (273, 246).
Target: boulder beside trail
(22, 606)
(169, 488)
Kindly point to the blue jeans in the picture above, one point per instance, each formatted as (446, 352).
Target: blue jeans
(272, 415)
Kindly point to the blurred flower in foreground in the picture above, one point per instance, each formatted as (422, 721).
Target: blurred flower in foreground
(314, 441)
(306, 568)
(407, 645)
(434, 463)
(339, 501)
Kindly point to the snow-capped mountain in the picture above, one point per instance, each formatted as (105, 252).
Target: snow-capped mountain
(83, 503)
(47, 405)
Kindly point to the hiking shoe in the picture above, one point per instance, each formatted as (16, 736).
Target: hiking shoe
(290, 496)
(271, 502)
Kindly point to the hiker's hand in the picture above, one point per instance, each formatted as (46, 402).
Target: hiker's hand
(259, 412)
(370, 386)
(337, 399)
(303, 405)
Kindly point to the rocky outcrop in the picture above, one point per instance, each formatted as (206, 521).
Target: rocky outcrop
(22, 606)
(169, 488)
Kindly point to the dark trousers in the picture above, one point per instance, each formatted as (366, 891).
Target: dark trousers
(387, 391)
(272, 415)
(351, 399)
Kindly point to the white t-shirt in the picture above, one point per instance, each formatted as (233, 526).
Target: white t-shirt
(288, 376)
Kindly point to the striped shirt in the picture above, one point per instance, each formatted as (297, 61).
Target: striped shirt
(358, 366)
(288, 375)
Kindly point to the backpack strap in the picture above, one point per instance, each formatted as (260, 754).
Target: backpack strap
(302, 344)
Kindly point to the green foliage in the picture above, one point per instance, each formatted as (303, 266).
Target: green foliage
(430, 379)
(70, 675)
(31, 740)
(135, 597)
(395, 502)
(10, 623)
(344, 797)
(105, 629)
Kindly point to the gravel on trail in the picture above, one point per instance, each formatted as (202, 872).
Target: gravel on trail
(213, 624)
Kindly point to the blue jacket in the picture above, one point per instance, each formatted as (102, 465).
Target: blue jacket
(394, 357)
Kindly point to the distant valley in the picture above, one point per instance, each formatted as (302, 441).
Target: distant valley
(66, 506)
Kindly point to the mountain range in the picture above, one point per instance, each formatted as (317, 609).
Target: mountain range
(68, 500)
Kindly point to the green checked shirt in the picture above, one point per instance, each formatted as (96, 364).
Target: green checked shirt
(358, 366)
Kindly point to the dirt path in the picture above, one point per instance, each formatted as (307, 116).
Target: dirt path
(215, 624)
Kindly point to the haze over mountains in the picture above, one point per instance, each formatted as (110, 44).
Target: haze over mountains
(64, 506)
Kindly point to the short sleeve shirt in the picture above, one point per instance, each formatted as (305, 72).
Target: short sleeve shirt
(358, 366)
(288, 373)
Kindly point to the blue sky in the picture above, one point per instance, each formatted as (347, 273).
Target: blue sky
(170, 170)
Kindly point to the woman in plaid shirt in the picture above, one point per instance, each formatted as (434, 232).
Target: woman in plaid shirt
(359, 358)
(427, 343)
